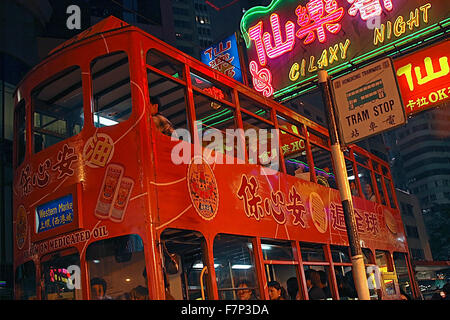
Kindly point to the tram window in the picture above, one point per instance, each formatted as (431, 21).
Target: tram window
(386, 267)
(276, 250)
(165, 63)
(380, 188)
(117, 269)
(323, 281)
(312, 251)
(210, 86)
(25, 281)
(368, 256)
(235, 263)
(213, 121)
(366, 183)
(281, 274)
(324, 166)
(261, 142)
(351, 178)
(254, 107)
(21, 131)
(383, 260)
(57, 109)
(401, 269)
(340, 254)
(388, 184)
(361, 159)
(58, 278)
(184, 260)
(170, 97)
(111, 89)
(345, 283)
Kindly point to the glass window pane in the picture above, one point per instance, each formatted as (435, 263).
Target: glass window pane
(368, 256)
(21, 136)
(277, 281)
(57, 109)
(166, 64)
(25, 281)
(383, 260)
(261, 142)
(388, 184)
(340, 254)
(117, 269)
(276, 250)
(235, 263)
(183, 264)
(312, 251)
(55, 275)
(170, 96)
(254, 107)
(345, 283)
(401, 268)
(317, 281)
(366, 183)
(210, 86)
(380, 188)
(111, 89)
(323, 165)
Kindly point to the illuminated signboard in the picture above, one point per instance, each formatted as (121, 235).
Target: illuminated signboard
(424, 77)
(224, 57)
(54, 214)
(289, 41)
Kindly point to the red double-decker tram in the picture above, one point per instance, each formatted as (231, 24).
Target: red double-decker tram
(108, 207)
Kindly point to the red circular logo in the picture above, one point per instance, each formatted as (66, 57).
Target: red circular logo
(202, 187)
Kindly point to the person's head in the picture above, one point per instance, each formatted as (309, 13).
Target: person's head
(312, 278)
(244, 292)
(292, 287)
(275, 290)
(368, 189)
(163, 124)
(98, 288)
(139, 293)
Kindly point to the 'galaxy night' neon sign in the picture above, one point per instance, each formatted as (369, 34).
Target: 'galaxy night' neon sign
(290, 40)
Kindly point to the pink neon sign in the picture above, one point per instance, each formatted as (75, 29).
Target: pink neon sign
(368, 8)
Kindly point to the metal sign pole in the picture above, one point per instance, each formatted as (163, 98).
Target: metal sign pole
(359, 270)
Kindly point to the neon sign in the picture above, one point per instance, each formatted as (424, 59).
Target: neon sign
(289, 41)
(424, 76)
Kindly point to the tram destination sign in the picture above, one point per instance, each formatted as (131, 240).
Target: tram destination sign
(54, 214)
(368, 101)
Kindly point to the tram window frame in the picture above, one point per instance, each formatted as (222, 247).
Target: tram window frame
(255, 108)
(208, 86)
(22, 293)
(183, 278)
(323, 176)
(99, 116)
(390, 193)
(120, 248)
(220, 134)
(166, 98)
(59, 256)
(20, 131)
(252, 153)
(176, 69)
(45, 111)
(297, 161)
(241, 271)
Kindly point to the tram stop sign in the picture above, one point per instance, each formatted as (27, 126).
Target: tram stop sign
(368, 102)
